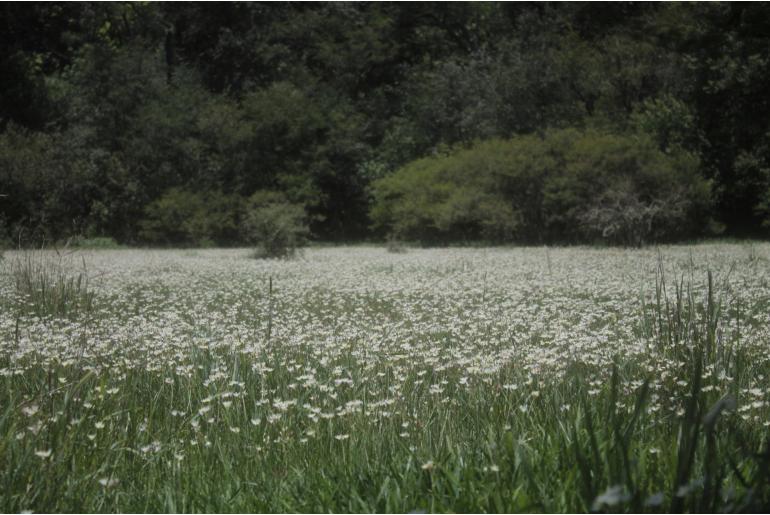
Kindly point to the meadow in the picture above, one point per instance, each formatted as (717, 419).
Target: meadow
(357, 380)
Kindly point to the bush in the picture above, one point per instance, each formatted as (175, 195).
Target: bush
(751, 181)
(274, 225)
(620, 216)
(669, 121)
(656, 196)
(568, 186)
(101, 242)
(394, 245)
(182, 217)
(442, 199)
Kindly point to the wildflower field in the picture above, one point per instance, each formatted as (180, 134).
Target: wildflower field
(357, 380)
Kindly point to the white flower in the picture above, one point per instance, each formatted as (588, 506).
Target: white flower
(43, 454)
(153, 447)
(30, 410)
(108, 482)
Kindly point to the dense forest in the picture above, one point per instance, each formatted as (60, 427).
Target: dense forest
(169, 123)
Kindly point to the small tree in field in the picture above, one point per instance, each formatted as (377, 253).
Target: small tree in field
(276, 226)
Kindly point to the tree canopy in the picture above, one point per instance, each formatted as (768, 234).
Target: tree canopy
(154, 123)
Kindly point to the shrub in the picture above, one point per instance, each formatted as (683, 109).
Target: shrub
(276, 226)
(751, 181)
(624, 189)
(567, 186)
(620, 216)
(669, 121)
(182, 217)
(440, 199)
(101, 242)
(394, 245)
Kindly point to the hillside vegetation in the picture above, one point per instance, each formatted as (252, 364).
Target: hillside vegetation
(155, 123)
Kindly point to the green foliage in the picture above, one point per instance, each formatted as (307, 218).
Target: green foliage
(670, 122)
(752, 180)
(181, 217)
(27, 169)
(441, 198)
(624, 190)
(103, 242)
(566, 186)
(274, 225)
(107, 106)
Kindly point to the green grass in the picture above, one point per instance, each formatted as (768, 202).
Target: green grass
(155, 439)
(49, 283)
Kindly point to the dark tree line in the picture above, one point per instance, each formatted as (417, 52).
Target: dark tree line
(162, 122)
